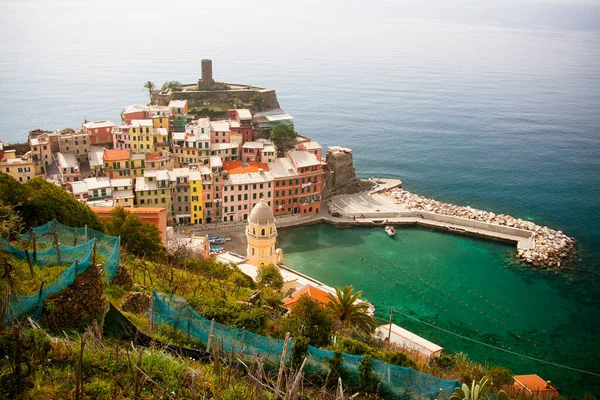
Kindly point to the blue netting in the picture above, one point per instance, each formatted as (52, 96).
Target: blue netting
(61, 245)
(398, 382)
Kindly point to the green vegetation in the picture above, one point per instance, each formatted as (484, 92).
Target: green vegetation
(284, 137)
(174, 86)
(140, 238)
(349, 311)
(269, 276)
(150, 86)
(311, 320)
(207, 112)
(38, 202)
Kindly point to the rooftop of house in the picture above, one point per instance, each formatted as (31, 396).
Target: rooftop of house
(67, 160)
(282, 167)
(223, 146)
(141, 123)
(178, 173)
(244, 113)
(142, 184)
(133, 108)
(159, 175)
(137, 156)
(116, 155)
(303, 158)
(534, 383)
(98, 124)
(308, 290)
(79, 187)
(177, 103)
(248, 177)
(401, 334)
(215, 161)
(240, 167)
(161, 132)
(96, 183)
(123, 194)
(96, 156)
(219, 126)
(312, 145)
(253, 145)
(120, 182)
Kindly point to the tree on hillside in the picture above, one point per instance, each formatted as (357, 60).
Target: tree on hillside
(269, 276)
(310, 319)
(284, 137)
(346, 309)
(39, 201)
(138, 237)
(10, 222)
(11, 191)
(150, 86)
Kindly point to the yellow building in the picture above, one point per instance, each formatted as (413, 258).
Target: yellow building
(261, 234)
(159, 121)
(196, 202)
(142, 136)
(137, 165)
(20, 168)
(153, 190)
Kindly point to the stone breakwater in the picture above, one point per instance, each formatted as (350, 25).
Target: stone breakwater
(551, 248)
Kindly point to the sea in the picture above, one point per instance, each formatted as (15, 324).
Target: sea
(494, 108)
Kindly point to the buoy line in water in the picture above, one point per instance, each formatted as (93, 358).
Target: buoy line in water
(431, 286)
(495, 347)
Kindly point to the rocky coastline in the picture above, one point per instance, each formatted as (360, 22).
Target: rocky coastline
(551, 249)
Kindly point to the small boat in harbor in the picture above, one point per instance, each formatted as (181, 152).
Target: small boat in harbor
(390, 230)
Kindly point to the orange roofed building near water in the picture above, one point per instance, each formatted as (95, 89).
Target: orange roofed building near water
(310, 291)
(533, 385)
(155, 215)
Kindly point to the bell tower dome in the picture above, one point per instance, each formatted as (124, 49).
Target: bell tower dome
(261, 234)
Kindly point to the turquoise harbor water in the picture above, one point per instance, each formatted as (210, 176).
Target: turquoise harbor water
(501, 114)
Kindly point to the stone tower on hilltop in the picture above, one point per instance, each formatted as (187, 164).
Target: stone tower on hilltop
(208, 82)
(261, 234)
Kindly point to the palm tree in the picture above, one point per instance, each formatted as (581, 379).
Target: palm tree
(150, 86)
(349, 311)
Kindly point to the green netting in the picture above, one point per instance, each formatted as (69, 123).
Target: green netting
(397, 382)
(61, 245)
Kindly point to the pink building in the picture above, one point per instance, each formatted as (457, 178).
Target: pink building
(243, 124)
(212, 187)
(244, 185)
(134, 111)
(100, 132)
(121, 138)
(312, 147)
(219, 132)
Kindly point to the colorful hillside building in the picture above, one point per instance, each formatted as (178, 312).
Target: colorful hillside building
(100, 132)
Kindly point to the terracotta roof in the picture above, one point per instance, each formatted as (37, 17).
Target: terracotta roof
(533, 383)
(311, 291)
(115, 155)
(238, 167)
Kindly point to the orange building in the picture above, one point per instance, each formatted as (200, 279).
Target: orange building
(310, 291)
(155, 215)
(116, 163)
(533, 385)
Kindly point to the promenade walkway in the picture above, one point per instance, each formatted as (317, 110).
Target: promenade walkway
(374, 208)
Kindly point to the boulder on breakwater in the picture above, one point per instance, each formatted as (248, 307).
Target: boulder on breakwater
(551, 248)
